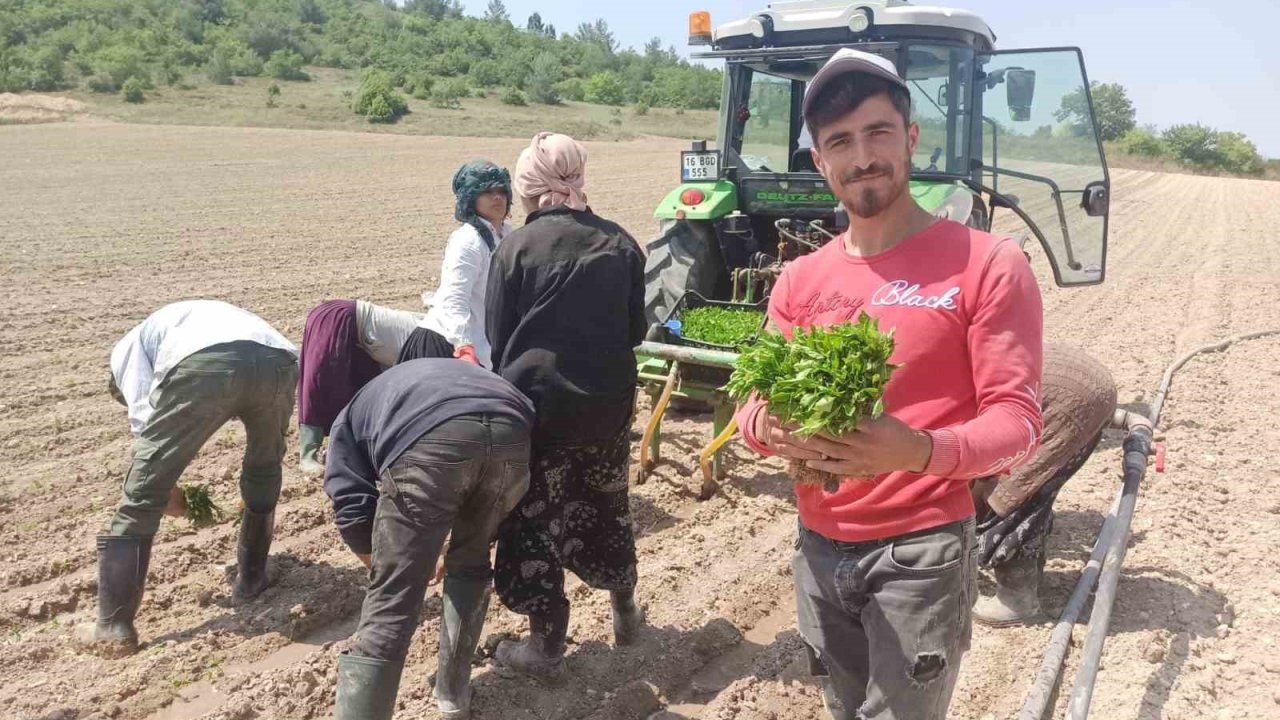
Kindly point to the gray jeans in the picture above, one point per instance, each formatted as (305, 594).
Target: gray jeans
(463, 476)
(887, 620)
(204, 391)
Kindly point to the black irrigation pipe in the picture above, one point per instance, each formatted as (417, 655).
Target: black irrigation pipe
(1108, 557)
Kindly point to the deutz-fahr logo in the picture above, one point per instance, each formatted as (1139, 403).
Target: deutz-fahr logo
(820, 196)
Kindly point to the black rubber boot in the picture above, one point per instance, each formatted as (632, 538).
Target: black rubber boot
(540, 655)
(310, 437)
(256, 531)
(1017, 598)
(366, 688)
(465, 603)
(628, 617)
(122, 575)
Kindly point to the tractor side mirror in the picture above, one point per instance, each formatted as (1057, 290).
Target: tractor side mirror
(943, 89)
(1020, 89)
(1095, 200)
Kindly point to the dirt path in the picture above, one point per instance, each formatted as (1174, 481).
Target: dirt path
(105, 223)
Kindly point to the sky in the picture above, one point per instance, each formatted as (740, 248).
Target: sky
(1181, 61)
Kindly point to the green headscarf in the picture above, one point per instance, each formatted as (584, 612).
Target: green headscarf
(469, 182)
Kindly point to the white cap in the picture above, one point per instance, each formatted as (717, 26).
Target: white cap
(845, 61)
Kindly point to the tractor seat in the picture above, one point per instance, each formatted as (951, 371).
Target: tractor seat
(802, 161)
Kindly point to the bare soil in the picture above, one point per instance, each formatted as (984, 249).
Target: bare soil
(104, 223)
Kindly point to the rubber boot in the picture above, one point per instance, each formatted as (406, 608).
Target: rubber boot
(366, 688)
(462, 620)
(256, 531)
(122, 575)
(310, 437)
(628, 617)
(540, 655)
(1017, 598)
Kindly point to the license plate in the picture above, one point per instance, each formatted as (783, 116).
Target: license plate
(699, 166)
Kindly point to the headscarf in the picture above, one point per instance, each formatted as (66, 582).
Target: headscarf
(470, 182)
(551, 169)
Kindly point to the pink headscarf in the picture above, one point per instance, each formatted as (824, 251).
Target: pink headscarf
(551, 170)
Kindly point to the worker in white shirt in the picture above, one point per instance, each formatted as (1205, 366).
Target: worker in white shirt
(183, 373)
(345, 344)
(455, 322)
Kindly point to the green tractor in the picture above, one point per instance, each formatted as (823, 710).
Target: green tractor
(1008, 143)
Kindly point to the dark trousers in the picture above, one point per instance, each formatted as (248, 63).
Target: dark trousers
(244, 380)
(576, 515)
(424, 343)
(462, 477)
(888, 620)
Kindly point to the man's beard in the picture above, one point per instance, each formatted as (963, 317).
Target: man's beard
(868, 201)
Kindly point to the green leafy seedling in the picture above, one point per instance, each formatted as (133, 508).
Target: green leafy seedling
(721, 326)
(823, 380)
(201, 510)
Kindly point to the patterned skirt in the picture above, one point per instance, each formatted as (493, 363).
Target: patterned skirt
(576, 515)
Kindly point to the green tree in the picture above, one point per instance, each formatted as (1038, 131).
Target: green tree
(497, 13)
(1193, 144)
(543, 77)
(604, 89)
(1112, 108)
(535, 25)
(598, 33)
(1239, 154)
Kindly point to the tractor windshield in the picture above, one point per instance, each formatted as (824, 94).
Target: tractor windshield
(766, 134)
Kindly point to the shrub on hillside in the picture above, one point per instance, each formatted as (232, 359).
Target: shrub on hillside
(604, 89)
(571, 89)
(132, 90)
(101, 83)
(377, 99)
(285, 65)
(1140, 141)
(449, 93)
(512, 96)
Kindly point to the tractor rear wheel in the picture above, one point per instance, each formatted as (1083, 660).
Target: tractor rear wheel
(685, 256)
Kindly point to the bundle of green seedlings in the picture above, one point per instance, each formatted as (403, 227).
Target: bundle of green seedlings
(823, 380)
(721, 325)
(201, 510)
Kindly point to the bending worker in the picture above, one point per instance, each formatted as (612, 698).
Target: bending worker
(345, 344)
(183, 373)
(429, 448)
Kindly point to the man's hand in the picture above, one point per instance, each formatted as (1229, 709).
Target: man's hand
(468, 353)
(880, 445)
(177, 505)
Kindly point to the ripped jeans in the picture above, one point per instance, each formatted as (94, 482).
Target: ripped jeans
(887, 620)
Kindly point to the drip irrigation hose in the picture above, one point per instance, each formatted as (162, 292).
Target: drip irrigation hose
(1108, 556)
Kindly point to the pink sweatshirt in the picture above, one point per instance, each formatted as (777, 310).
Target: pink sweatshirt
(968, 320)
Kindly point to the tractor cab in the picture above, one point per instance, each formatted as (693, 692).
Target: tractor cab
(1001, 131)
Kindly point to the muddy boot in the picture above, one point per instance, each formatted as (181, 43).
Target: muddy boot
(256, 530)
(1017, 598)
(122, 574)
(628, 617)
(542, 653)
(310, 438)
(465, 603)
(366, 688)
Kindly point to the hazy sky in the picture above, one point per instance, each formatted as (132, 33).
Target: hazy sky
(1216, 63)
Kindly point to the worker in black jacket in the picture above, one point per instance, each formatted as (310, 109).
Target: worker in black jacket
(428, 449)
(565, 310)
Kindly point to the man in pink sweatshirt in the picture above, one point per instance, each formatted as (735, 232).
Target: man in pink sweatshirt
(884, 567)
